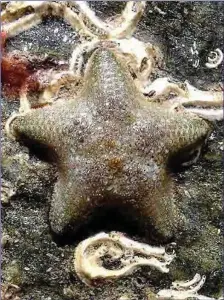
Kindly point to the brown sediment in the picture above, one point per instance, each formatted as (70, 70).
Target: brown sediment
(19, 71)
(15, 73)
(115, 163)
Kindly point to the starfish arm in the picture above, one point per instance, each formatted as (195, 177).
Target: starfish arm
(109, 85)
(164, 135)
(35, 126)
(184, 131)
(44, 126)
(70, 207)
(160, 210)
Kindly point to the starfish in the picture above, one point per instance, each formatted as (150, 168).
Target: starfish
(112, 148)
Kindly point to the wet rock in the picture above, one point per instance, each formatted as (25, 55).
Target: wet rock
(40, 264)
(7, 191)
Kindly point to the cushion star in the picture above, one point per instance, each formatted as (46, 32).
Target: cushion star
(112, 148)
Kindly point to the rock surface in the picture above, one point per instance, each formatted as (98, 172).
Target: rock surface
(43, 266)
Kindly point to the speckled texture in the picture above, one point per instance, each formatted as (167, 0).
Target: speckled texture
(112, 148)
(42, 267)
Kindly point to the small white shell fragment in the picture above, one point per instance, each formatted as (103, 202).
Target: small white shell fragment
(215, 60)
(131, 255)
(184, 290)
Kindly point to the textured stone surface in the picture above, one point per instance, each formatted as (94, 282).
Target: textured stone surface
(44, 265)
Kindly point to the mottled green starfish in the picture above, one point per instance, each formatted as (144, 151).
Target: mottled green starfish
(113, 148)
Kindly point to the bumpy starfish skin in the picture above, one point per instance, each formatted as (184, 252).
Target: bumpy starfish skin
(113, 148)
